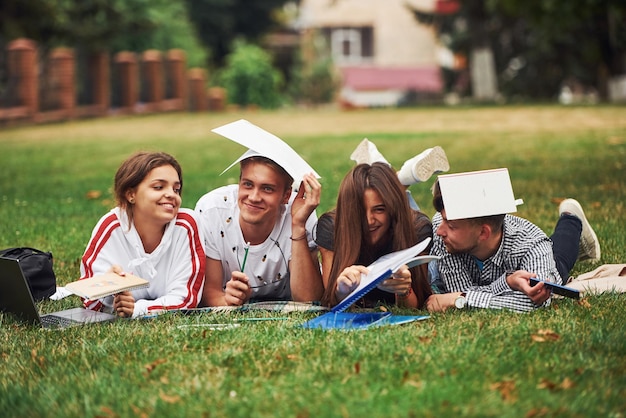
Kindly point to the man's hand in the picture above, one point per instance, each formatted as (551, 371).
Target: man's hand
(237, 290)
(519, 280)
(306, 200)
(441, 302)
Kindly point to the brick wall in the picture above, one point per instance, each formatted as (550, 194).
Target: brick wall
(149, 82)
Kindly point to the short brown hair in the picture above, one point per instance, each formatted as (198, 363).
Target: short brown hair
(257, 159)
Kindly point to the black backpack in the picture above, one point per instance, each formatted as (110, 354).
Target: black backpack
(37, 268)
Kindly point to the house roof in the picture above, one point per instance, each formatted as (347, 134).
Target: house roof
(348, 13)
(423, 79)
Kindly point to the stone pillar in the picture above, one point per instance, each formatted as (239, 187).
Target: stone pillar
(98, 67)
(152, 78)
(217, 99)
(126, 63)
(23, 68)
(176, 62)
(197, 92)
(62, 73)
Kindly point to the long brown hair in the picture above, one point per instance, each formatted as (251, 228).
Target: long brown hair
(351, 225)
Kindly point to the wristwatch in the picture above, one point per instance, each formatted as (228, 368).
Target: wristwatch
(460, 301)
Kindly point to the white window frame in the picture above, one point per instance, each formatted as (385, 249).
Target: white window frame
(353, 37)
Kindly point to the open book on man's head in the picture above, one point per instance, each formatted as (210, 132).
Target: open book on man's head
(107, 284)
(383, 268)
(477, 193)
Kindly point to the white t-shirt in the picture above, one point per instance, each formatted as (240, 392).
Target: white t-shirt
(267, 265)
(175, 269)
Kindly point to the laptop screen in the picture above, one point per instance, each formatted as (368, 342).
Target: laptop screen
(15, 296)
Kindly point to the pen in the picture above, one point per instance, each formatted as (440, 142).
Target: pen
(245, 255)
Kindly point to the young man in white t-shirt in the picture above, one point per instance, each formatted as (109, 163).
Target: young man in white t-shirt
(258, 236)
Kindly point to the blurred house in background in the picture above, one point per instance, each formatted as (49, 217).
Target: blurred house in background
(384, 55)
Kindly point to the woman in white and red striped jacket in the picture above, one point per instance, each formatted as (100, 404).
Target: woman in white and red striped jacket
(150, 236)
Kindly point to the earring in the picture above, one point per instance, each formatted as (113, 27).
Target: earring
(132, 201)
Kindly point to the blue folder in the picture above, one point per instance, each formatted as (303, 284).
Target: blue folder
(359, 320)
(380, 270)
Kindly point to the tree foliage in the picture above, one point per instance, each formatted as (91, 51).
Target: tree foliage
(250, 78)
(538, 45)
(314, 81)
(113, 25)
(96, 23)
(220, 22)
(580, 39)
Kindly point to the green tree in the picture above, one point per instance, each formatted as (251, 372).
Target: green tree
(169, 28)
(113, 25)
(315, 81)
(219, 22)
(95, 23)
(581, 39)
(538, 45)
(250, 78)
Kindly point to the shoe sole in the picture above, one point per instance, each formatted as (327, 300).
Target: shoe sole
(435, 161)
(367, 153)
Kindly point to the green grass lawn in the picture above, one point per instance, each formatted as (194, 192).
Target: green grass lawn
(568, 360)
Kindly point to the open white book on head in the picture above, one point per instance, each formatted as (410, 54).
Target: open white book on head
(384, 268)
(107, 284)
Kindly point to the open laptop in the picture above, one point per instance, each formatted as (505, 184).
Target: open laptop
(16, 298)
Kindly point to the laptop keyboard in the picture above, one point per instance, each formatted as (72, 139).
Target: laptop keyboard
(53, 321)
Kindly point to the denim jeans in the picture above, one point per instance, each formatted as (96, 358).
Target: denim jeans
(565, 240)
(412, 203)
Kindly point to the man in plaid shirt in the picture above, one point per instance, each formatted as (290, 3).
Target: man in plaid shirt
(488, 257)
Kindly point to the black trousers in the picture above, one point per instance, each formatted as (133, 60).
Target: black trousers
(565, 241)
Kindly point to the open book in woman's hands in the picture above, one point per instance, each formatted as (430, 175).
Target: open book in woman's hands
(383, 269)
(107, 284)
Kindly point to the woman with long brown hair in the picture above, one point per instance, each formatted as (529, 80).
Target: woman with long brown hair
(372, 218)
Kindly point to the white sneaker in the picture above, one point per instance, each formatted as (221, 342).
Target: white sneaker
(367, 153)
(589, 246)
(421, 167)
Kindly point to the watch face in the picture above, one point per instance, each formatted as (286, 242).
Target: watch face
(459, 302)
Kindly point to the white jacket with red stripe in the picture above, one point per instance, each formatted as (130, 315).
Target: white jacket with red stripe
(175, 269)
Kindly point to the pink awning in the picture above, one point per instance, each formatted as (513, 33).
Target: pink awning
(421, 79)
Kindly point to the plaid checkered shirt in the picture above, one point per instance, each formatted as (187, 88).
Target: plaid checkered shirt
(523, 247)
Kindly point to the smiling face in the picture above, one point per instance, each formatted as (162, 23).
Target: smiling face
(378, 219)
(262, 192)
(157, 198)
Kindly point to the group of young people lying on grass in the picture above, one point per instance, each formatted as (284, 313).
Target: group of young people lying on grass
(261, 240)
